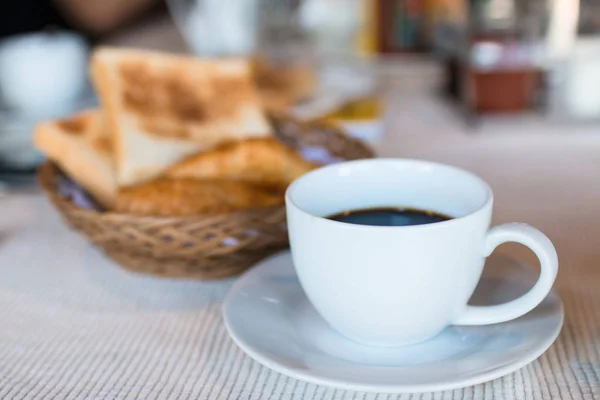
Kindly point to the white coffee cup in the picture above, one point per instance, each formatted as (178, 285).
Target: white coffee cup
(399, 285)
(41, 72)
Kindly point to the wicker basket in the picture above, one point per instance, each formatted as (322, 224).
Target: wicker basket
(203, 246)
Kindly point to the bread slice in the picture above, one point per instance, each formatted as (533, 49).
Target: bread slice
(264, 162)
(162, 107)
(80, 147)
(280, 87)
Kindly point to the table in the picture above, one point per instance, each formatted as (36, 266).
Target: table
(76, 326)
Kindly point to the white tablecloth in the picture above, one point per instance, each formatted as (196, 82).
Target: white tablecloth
(75, 326)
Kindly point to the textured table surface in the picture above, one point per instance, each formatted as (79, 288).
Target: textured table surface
(75, 326)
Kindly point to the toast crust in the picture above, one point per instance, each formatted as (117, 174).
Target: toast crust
(79, 146)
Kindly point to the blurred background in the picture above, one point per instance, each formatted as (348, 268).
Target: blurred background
(376, 67)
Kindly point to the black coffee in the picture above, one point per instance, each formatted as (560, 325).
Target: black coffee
(389, 217)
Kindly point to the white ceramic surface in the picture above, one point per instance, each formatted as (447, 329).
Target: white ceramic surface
(269, 317)
(216, 28)
(42, 71)
(393, 286)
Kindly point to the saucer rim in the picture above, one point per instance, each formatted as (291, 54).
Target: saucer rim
(378, 388)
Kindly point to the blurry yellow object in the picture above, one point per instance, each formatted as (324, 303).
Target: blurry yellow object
(367, 37)
(364, 109)
(361, 119)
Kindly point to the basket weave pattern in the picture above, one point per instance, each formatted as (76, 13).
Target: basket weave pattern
(202, 246)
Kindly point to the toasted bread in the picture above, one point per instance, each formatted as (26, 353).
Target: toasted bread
(181, 197)
(161, 107)
(282, 86)
(264, 162)
(80, 147)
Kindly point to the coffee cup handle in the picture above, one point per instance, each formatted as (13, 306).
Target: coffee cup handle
(546, 253)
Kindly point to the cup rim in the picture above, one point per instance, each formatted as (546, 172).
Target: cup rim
(484, 206)
(28, 37)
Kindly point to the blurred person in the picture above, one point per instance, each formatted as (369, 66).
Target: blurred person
(92, 18)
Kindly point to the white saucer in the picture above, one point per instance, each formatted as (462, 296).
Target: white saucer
(270, 318)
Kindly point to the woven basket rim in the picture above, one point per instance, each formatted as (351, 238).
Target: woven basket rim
(48, 170)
